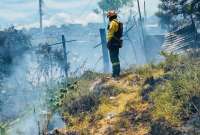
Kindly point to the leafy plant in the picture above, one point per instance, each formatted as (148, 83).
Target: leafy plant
(106, 5)
(172, 13)
(173, 98)
(13, 44)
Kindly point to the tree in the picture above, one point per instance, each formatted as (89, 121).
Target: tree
(173, 13)
(13, 44)
(106, 5)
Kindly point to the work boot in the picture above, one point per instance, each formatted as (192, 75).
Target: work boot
(117, 78)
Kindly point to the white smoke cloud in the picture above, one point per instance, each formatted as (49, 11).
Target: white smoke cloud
(12, 16)
(65, 18)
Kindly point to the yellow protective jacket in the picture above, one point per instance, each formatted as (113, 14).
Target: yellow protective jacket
(113, 27)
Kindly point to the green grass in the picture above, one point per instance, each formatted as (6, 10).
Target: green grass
(2, 129)
(173, 98)
(78, 104)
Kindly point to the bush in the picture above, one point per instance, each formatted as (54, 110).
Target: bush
(172, 99)
(13, 44)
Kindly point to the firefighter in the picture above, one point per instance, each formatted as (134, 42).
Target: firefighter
(114, 34)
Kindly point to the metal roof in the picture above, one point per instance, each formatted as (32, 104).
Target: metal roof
(180, 40)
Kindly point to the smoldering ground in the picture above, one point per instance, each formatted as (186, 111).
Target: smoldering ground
(19, 96)
(23, 94)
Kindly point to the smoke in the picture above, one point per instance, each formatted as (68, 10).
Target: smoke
(24, 98)
(27, 126)
(15, 89)
(56, 122)
(24, 93)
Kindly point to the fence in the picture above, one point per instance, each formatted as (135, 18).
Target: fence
(71, 46)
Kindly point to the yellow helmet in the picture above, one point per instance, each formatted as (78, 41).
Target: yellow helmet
(111, 13)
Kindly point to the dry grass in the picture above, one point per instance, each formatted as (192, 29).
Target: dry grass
(108, 116)
(172, 98)
(121, 109)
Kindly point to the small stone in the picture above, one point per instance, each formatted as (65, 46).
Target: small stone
(112, 98)
(110, 116)
(122, 130)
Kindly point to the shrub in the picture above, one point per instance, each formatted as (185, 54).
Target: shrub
(172, 99)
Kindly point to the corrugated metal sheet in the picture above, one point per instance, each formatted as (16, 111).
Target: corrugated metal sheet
(179, 40)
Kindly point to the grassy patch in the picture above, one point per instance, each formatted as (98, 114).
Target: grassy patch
(173, 98)
(80, 105)
(2, 129)
(172, 89)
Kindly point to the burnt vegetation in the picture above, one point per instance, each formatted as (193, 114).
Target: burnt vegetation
(155, 99)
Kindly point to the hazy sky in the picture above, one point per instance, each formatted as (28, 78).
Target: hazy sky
(25, 12)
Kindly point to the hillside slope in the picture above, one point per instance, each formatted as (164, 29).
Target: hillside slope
(153, 100)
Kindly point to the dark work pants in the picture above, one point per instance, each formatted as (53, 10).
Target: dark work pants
(114, 57)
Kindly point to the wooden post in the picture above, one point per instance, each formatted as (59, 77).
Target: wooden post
(142, 31)
(104, 19)
(65, 56)
(41, 14)
(145, 12)
(139, 10)
(104, 50)
(195, 32)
